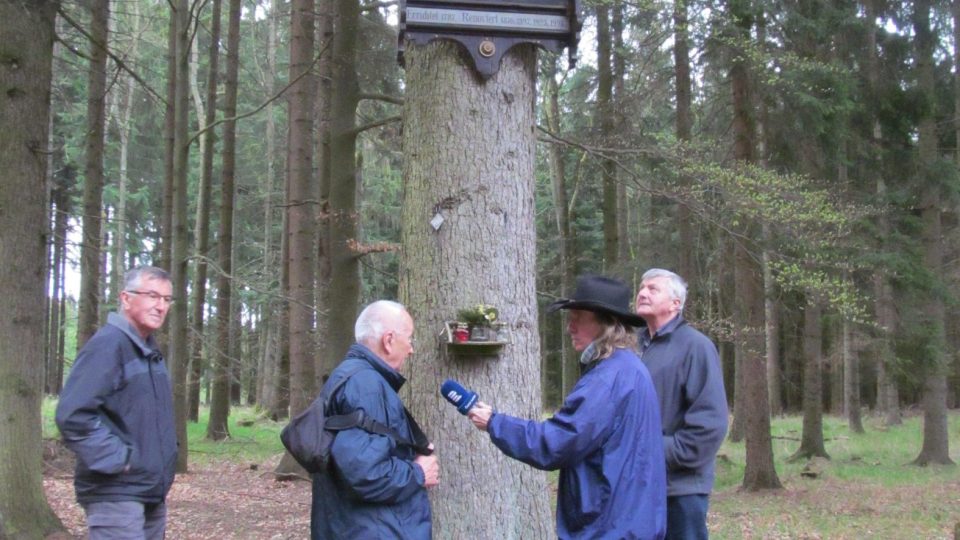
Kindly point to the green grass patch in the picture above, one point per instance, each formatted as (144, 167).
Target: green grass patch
(253, 442)
(867, 489)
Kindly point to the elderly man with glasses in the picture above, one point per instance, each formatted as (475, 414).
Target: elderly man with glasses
(116, 414)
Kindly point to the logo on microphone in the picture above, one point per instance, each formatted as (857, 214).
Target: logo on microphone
(454, 397)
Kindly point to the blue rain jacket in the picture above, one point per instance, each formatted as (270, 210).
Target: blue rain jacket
(116, 412)
(606, 442)
(374, 490)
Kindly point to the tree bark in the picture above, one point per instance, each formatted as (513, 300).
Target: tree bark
(811, 439)
(201, 230)
(569, 361)
(26, 50)
(90, 282)
(760, 472)
(301, 219)
(851, 381)
(936, 440)
(179, 343)
(217, 427)
(605, 123)
(684, 128)
(483, 187)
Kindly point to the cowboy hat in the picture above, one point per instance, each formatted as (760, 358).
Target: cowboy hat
(601, 294)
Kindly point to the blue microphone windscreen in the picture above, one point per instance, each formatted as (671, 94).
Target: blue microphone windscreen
(456, 394)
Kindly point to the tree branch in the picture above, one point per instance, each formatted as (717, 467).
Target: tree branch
(360, 129)
(115, 58)
(263, 105)
(383, 97)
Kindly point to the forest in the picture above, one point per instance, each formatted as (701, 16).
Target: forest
(795, 161)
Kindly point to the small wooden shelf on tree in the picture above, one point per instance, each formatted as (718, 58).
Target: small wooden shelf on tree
(500, 331)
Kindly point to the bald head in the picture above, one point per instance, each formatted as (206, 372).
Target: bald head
(386, 328)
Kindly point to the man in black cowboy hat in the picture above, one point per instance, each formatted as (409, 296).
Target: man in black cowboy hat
(606, 438)
(686, 372)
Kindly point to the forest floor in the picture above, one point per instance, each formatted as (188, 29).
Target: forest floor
(867, 489)
(215, 500)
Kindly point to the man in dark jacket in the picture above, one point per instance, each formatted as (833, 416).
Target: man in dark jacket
(686, 372)
(116, 414)
(376, 488)
(605, 439)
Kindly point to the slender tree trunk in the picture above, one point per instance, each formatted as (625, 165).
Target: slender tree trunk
(605, 122)
(27, 35)
(89, 316)
(684, 127)
(811, 440)
(301, 219)
(888, 398)
(165, 235)
(851, 381)
(569, 362)
(326, 355)
(217, 427)
(61, 211)
(344, 284)
(772, 334)
(201, 230)
(494, 209)
(936, 440)
(179, 343)
(760, 472)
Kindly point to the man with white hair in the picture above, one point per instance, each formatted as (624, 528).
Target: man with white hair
(376, 487)
(686, 373)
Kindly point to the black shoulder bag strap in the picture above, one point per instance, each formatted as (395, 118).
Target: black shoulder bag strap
(358, 418)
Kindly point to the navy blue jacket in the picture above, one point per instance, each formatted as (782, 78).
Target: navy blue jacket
(606, 442)
(115, 411)
(686, 372)
(374, 489)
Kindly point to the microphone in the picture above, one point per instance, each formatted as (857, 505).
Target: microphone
(459, 396)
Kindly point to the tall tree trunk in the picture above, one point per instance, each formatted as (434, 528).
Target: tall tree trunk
(569, 361)
(888, 398)
(165, 234)
(811, 440)
(89, 316)
(684, 127)
(61, 211)
(489, 217)
(217, 427)
(179, 343)
(301, 218)
(605, 122)
(344, 285)
(760, 472)
(326, 357)
(27, 36)
(936, 440)
(201, 229)
(772, 335)
(851, 381)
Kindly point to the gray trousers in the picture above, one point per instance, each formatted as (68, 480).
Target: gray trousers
(125, 520)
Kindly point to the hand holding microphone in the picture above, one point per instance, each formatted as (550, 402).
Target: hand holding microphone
(467, 403)
(457, 395)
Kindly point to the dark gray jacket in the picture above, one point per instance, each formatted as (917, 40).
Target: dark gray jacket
(115, 411)
(687, 375)
(374, 490)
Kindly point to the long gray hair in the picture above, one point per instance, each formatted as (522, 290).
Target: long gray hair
(615, 335)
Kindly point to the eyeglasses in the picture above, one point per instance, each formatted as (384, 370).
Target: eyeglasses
(154, 297)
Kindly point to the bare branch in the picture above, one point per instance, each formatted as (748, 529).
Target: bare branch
(383, 97)
(360, 129)
(263, 105)
(115, 58)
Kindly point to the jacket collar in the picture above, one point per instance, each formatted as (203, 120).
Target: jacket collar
(664, 331)
(392, 376)
(148, 348)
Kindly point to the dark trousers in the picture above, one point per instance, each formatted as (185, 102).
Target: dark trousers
(125, 520)
(687, 517)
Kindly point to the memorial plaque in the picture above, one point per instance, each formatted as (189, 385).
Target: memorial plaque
(489, 28)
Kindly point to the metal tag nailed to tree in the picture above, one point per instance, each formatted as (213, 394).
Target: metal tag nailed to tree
(489, 28)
